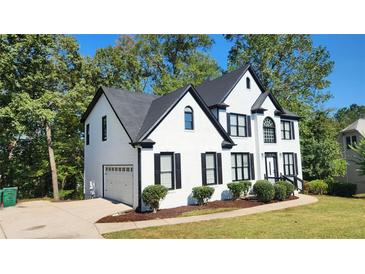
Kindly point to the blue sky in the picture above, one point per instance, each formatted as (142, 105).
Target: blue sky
(348, 52)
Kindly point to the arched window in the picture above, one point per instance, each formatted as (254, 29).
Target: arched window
(248, 83)
(269, 131)
(189, 118)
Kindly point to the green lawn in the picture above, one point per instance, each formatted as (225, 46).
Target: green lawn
(331, 217)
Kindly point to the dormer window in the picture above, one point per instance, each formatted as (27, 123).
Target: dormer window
(189, 118)
(351, 141)
(248, 83)
(269, 131)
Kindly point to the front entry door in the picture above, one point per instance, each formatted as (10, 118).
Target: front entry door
(271, 166)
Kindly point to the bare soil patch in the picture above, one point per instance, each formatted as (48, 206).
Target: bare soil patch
(132, 216)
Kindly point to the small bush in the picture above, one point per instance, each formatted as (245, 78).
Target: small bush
(289, 188)
(264, 191)
(237, 189)
(152, 195)
(202, 194)
(342, 189)
(66, 194)
(247, 185)
(317, 187)
(280, 192)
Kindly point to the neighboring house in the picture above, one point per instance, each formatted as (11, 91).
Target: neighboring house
(227, 129)
(348, 137)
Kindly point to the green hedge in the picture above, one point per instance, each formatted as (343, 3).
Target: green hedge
(342, 189)
(202, 194)
(264, 191)
(239, 188)
(317, 187)
(280, 192)
(153, 194)
(289, 188)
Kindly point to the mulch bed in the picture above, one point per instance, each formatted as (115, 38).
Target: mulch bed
(132, 216)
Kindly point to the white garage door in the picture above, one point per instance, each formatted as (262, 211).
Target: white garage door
(118, 183)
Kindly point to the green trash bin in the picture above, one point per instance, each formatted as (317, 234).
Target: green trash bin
(9, 196)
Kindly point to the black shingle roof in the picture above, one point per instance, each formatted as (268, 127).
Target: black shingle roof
(215, 91)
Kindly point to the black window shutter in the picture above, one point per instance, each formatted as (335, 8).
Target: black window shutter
(295, 164)
(252, 167)
(178, 170)
(292, 130)
(248, 121)
(228, 124)
(204, 175)
(157, 169)
(220, 175)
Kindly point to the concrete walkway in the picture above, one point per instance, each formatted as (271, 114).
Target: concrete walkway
(61, 220)
(112, 227)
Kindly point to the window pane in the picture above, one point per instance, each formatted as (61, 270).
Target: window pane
(233, 130)
(239, 173)
(188, 125)
(239, 160)
(354, 140)
(166, 163)
(290, 156)
(233, 119)
(210, 176)
(166, 179)
(241, 121)
(209, 160)
(245, 160)
(241, 131)
(246, 173)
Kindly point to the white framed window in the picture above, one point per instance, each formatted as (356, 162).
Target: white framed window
(166, 170)
(269, 130)
(240, 166)
(288, 164)
(211, 168)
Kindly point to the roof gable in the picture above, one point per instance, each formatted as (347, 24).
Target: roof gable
(162, 106)
(129, 107)
(358, 125)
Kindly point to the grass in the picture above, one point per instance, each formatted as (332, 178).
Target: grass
(331, 217)
(206, 211)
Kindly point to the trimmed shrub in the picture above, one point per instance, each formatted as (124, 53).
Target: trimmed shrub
(236, 188)
(280, 192)
(152, 195)
(306, 187)
(342, 189)
(264, 191)
(289, 188)
(317, 187)
(202, 194)
(247, 185)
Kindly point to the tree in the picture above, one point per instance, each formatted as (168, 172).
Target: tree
(359, 149)
(289, 66)
(321, 154)
(35, 74)
(347, 115)
(158, 63)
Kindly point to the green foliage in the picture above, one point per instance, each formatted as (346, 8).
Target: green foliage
(342, 189)
(202, 194)
(359, 158)
(264, 191)
(247, 185)
(153, 194)
(236, 188)
(280, 192)
(66, 194)
(321, 153)
(317, 187)
(289, 188)
(347, 115)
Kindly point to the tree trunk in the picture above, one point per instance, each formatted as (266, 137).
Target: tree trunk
(52, 163)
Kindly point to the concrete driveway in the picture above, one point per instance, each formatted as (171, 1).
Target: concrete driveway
(61, 220)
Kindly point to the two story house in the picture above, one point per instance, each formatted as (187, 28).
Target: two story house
(227, 129)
